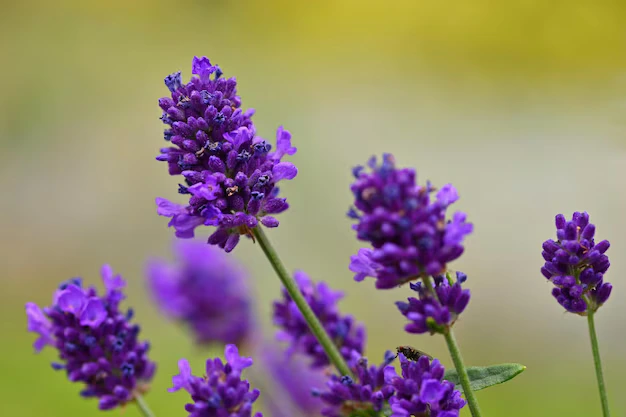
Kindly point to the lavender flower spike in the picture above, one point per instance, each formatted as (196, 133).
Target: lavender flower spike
(221, 392)
(199, 288)
(97, 344)
(421, 390)
(367, 394)
(435, 314)
(230, 173)
(408, 230)
(576, 265)
(348, 335)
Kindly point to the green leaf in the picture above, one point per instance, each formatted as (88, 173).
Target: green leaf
(486, 376)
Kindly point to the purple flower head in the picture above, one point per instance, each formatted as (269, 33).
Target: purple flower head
(293, 377)
(97, 344)
(366, 393)
(206, 290)
(221, 392)
(576, 265)
(435, 313)
(348, 335)
(421, 390)
(230, 173)
(408, 229)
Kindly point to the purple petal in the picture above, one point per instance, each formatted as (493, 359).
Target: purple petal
(71, 300)
(431, 391)
(202, 67)
(238, 363)
(283, 144)
(185, 225)
(231, 242)
(93, 313)
(269, 221)
(111, 282)
(447, 195)
(183, 379)
(363, 265)
(284, 171)
(167, 208)
(39, 323)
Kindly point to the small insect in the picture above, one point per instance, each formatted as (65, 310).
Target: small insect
(230, 191)
(411, 353)
(184, 101)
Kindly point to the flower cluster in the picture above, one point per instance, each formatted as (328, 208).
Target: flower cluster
(97, 344)
(575, 264)
(205, 290)
(345, 396)
(348, 335)
(221, 392)
(421, 390)
(230, 172)
(435, 313)
(408, 230)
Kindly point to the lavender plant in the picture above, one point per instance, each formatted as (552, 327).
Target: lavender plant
(576, 265)
(97, 344)
(221, 392)
(198, 288)
(229, 178)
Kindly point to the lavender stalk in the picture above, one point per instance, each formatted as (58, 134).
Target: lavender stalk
(142, 405)
(598, 363)
(294, 292)
(575, 264)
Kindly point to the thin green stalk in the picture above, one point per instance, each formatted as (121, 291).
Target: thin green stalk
(142, 405)
(457, 359)
(455, 353)
(294, 292)
(596, 359)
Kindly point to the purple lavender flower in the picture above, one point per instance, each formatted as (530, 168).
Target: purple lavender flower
(421, 390)
(345, 396)
(221, 392)
(204, 289)
(230, 173)
(409, 233)
(435, 314)
(293, 377)
(96, 341)
(576, 265)
(348, 335)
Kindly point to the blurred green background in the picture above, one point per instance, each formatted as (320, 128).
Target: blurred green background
(520, 104)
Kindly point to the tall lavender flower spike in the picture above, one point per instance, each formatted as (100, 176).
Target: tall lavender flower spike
(199, 289)
(97, 344)
(575, 264)
(221, 392)
(292, 380)
(408, 230)
(367, 394)
(421, 390)
(230, 174)
(435, 314)
(348, 335)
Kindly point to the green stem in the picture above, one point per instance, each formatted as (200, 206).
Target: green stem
(455, 353)
(142, 405)
(596, 359)
(457, 359)
(294, 292)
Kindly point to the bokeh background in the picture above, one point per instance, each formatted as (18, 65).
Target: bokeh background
(520, 104)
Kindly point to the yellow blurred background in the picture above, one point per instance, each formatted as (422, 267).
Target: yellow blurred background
(520, 104)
